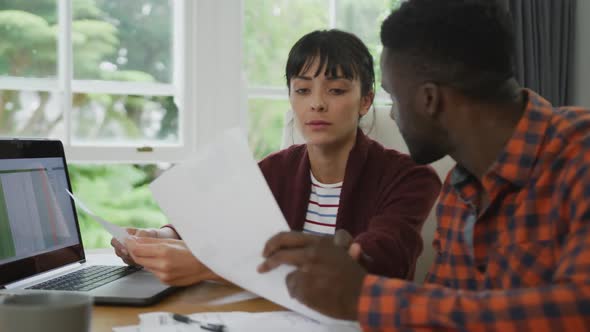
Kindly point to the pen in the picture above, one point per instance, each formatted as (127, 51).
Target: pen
(204, 326)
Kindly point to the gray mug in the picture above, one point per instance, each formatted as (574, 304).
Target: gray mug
(45, 312)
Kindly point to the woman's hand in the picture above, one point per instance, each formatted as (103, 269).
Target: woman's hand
(169, 260)
(159, 233)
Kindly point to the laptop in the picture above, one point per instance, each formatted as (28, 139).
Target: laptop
(40, 244)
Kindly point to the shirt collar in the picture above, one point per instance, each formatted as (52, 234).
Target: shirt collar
(459, 175)
(518, 158)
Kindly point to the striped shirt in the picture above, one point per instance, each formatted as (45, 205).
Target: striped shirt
(322, 209)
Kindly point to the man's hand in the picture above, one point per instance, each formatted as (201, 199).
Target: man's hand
(327, 279)
(169, 260)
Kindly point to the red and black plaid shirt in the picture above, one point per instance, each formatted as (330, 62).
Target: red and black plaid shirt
(523, 263)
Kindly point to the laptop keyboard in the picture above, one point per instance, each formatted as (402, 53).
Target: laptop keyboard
(87, 278)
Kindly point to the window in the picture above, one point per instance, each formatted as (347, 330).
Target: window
(94, 73)
(102, 76)
(118, 193)
(132, 86)
(128, 86)
(271, 27)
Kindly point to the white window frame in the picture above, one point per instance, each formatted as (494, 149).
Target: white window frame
(205, 73)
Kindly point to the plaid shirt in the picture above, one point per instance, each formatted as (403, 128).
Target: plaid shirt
(522, 263)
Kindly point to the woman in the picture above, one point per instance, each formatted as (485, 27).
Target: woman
(339, 180)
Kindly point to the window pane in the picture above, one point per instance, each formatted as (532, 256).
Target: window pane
(127, 40)
(364, 18)
(271, 28)
(30, 114)
(124, 118)
(266, 125)
(28, 47)
(118, 193)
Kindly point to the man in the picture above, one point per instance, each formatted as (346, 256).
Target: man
(513, 236)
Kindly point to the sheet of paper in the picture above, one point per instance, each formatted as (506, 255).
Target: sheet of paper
(238, 297)
(284, 321)
(220, 204)
(116, 231)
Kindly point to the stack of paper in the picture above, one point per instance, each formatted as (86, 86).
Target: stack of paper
(284, 321)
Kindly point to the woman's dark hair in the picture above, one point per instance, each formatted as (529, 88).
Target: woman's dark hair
(336, 50)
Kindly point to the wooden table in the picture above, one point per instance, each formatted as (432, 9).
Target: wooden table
(184, 301)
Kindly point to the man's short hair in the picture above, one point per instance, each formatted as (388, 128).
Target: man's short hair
(466, 44)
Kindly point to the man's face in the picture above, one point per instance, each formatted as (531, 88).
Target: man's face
(412, 110)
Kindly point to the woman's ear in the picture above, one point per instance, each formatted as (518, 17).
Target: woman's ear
(366, 102)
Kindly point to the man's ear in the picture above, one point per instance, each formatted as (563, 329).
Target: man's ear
(430, 98)
(366, 102)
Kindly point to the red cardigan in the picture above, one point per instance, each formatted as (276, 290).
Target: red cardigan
(384, 201)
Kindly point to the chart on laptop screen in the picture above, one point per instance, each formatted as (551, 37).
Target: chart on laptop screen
(36, 215)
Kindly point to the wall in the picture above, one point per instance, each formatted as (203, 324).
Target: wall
(581, 72)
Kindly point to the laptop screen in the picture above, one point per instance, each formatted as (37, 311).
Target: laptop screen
(36, 213)
(38, 225)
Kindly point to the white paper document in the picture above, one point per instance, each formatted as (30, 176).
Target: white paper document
(220, 204)
(284, 321)
(233, 298)
(116, 231)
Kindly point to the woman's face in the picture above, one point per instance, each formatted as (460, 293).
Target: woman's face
(327, 109)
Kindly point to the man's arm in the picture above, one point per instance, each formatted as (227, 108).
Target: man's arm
(392, 304)
(329, 281)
